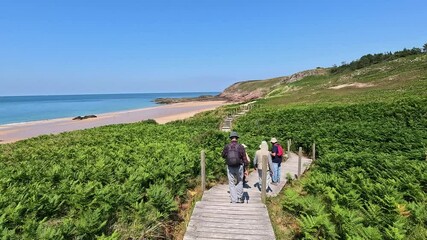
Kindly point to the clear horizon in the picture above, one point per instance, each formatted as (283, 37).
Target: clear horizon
(118, 93)
(112, 47)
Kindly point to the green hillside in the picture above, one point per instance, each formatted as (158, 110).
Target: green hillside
(370, 177)
(403, 77)
(134, 181)
(400, 77)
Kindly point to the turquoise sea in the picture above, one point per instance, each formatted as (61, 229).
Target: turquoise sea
(15, 109)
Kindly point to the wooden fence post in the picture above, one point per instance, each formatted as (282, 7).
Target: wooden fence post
(314, 152)
(299, 161)
(289, 146)
(203, 169)
(264, 179)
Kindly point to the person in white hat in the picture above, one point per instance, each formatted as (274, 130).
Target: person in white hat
(262, 152)
(277, 155)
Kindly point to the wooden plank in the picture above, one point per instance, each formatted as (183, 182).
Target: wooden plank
(243, 236)
(231, 230)
(231, 208)
(227, 199)
(201, 224)
(208, 197)
(229, 212)
(225, 217)
(236, 206)
(230, 221)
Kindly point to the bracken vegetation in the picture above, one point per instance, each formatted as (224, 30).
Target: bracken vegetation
(113, 182)
(130, 181)
(370, 181)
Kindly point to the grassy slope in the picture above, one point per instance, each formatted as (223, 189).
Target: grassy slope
(390, 82)
(403, 77)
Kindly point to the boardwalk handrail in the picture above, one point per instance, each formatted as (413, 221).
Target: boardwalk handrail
(214, 217)
(264, 179)
(203, 170)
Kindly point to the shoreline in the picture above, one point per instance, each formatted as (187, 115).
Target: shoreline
(13, 132)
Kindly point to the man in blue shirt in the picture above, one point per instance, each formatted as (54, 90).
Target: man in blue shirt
(277, 161)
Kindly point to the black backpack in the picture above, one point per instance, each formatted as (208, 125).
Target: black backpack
(233, 158)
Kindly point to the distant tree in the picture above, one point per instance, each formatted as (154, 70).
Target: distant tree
(371, 59)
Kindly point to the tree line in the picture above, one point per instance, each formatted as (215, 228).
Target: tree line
(371, 59)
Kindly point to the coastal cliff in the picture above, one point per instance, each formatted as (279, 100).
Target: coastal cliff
(254, 89)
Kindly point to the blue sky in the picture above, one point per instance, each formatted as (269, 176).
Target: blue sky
(91, 46)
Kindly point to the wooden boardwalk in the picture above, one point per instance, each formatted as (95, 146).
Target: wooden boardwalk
(214, 217)
(227, 123)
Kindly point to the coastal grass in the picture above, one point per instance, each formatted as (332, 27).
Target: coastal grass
(401, 78)
(369, 178)
(370, 131)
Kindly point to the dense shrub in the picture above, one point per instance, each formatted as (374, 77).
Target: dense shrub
(370, 180)
(119, 181)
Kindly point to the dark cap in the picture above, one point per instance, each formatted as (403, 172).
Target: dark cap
(234, 135)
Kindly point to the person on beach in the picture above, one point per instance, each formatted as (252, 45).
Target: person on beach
(235, 157)
(277, 155)
(259, 154)
(246, 167)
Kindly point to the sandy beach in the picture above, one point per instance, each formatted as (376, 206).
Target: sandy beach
(162, 114)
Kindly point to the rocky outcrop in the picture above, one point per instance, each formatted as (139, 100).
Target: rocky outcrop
(194, 99)
(238, 92)
(248, 90)
(234, 94)
(300, 75)
(84, 117)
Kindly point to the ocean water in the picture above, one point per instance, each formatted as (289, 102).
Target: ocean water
(33, 108)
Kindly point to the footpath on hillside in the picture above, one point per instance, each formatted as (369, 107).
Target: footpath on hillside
(214, 217)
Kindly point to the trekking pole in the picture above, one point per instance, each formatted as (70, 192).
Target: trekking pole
(203, 168)
(299, 161)
(264, 179)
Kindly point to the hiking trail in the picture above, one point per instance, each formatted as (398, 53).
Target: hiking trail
(226, 126)
(214, 217)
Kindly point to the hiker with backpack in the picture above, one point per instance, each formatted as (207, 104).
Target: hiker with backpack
(259, 154)
(235, 157)
(277, 155)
